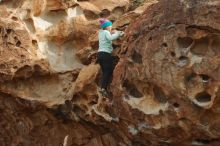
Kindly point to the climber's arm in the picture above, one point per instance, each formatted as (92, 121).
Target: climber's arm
(114, 36)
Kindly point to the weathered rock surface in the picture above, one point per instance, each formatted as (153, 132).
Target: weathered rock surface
(169, 72)
(30, 123)
(166, 85)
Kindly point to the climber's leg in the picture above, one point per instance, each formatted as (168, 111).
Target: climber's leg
(106, 63)
(106, 70)
(115, 60)
(107, 73)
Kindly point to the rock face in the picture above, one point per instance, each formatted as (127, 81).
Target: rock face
(165, 89)
(169, 72)
(30, 123)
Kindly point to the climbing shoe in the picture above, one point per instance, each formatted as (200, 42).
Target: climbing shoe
(104, 92)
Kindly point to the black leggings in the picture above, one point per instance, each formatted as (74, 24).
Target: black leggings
(106, 62)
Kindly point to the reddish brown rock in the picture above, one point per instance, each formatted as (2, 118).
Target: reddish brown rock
(165, 89)
(30, 123)
(166, 71)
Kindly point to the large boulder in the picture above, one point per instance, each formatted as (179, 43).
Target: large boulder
(165, 88)
(168, 73)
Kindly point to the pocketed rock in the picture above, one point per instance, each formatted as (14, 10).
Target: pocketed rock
(165, 88)
(167, 70)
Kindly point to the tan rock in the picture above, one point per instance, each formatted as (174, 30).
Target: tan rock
(60, 88)
(18, 54)
(38, 7)
(59, 4)
(86, 77)
(165, 89)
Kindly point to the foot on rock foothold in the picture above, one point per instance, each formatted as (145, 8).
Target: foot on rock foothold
(104, 93)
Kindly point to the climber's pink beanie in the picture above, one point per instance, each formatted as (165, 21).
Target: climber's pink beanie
(105, 23)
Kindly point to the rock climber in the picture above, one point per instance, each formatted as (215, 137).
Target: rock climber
(105, 58)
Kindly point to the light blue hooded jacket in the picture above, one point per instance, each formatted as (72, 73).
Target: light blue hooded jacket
(105, 40)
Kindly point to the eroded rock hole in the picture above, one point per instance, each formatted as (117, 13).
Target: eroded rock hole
(132, 89)
(137, 57)
(34, 41)
(9, 31)
(15, 67)
(69, 104)
(134, 92)
(216, 45)
(203, 97)
(90, 15)
(18, 44)
(183, 60)
(22, 56)
(105, 13)
(205, 78)
(92, 103)
(176, 105)
(184, 42)
(173, 54)
(24, 71)
(52, 17)
(15, 38)
(2, 66)
(5, 37)
(63, 111)
(164, 45)
(118, 11)
(190, 76)
(14, 18)
(37, 68)
(203, 141)
(159, 94)
(201, 46)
